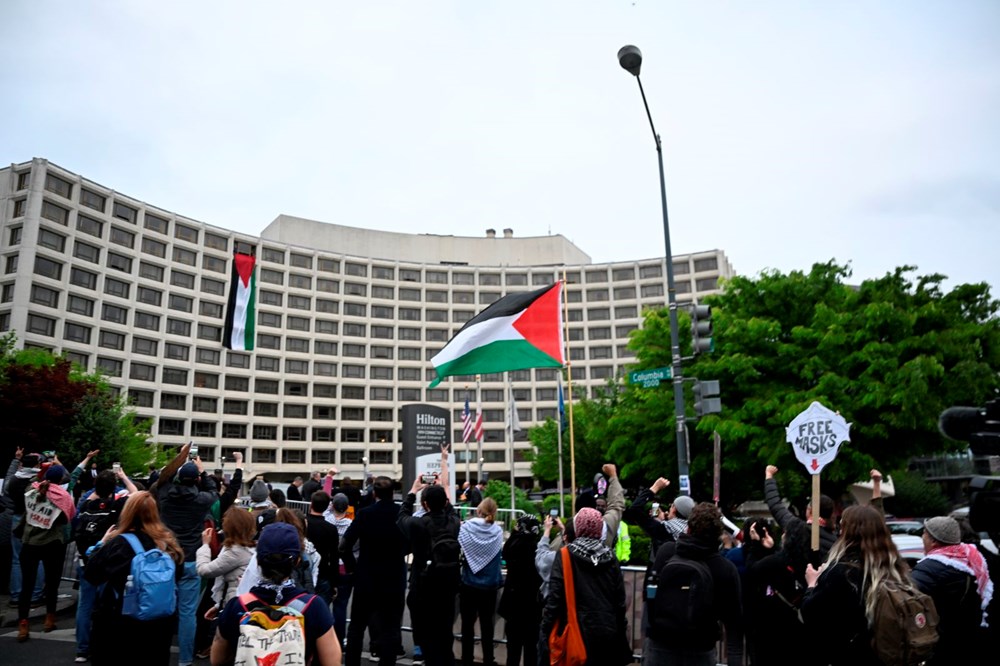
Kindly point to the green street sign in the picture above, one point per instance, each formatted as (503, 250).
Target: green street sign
(650, 378)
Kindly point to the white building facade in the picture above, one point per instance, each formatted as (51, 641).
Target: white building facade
(347, 320)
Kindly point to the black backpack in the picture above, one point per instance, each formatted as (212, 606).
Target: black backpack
(444, 566)
(682, 610)
(94, 519)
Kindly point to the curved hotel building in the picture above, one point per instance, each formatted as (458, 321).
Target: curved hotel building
(347, 320)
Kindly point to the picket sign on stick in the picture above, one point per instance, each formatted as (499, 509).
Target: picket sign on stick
(816, 435)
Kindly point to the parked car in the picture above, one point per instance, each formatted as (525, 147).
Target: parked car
(912, 527)
(984, 537)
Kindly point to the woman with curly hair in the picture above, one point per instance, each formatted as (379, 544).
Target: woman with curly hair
(115, 634)
(843, 591)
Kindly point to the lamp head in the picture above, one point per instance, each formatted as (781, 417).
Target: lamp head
(630, 58)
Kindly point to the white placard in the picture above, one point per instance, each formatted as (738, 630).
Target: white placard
(816, 435)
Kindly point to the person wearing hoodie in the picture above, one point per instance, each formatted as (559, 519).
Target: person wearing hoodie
(14, 487)
(519, 605)
(698, 648)
(336, 515)
(481, 540)
(185, 494)
(48, 511)
(784, 517)
(599, 591)
(261, 507)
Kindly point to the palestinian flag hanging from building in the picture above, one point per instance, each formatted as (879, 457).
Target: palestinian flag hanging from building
(241, 311)
(517, 332)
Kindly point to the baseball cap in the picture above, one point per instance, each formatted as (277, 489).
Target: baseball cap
(340, 502)
(279, 539)
(188, 472)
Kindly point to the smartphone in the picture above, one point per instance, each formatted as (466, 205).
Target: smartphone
(554, 513)
(428, 479)
(193, 453)
(117, 467)
(656, 508)
(49, 454)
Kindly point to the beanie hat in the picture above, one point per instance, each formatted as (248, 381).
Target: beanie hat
(188, 472)
(588, 523)
(944, 530)
(340, 502)
(55, 473)
(258, 492)
(683, 504)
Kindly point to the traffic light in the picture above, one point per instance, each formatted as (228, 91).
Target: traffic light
(706, 397)
(701, 329)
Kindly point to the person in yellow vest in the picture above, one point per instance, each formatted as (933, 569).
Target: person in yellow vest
(623, 547)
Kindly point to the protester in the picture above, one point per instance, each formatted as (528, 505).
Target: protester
(600, 594)
(696, 645)
(237, 549)
(14, 488)
(325, 538)
(784, 517)
(379, 573)
(314, 483)
(336, 515)
(474, 495)
(294, 490)
(842, 593)
(115, 635)
(519, 605)
(48, 511)
(183, 507)
(481, 541)
(772, 596)
(278, 553)
(548, 547)
(956, 577)
(433, 584)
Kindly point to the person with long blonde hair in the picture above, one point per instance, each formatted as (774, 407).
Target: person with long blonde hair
(481, 540)
(843, 591)
(115, 634)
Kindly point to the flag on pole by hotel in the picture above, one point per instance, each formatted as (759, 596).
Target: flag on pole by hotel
(479, 423)
(240, 311)
(514, 421)
(467, 425)
(517, 332)
(563, 423)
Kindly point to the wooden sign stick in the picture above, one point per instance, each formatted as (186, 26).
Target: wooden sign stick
(815, 512)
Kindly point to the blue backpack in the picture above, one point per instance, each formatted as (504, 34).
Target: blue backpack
(150, 589)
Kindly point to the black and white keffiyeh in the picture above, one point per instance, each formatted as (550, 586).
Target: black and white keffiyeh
(480, 542)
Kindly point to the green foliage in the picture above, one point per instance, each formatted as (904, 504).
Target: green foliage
(552, 502)
(889, 354)
(915, 497)
(47, 403)
(640, 546)
(500, 492)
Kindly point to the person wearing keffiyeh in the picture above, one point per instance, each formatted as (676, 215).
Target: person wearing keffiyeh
(481, 540)
(956, 576)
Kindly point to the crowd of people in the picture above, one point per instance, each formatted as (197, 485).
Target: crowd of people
(258, 575)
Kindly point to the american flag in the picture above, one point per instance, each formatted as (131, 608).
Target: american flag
(479, 424)
(466, 423)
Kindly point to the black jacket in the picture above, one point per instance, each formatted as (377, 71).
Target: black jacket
(725, 584)
(784, 517)
(772, 596)
(417, 531)
(326, 539)
(183, 509)
(600, 603)
(959, 613)
(380, 566)
(520, 589)
(656, 530)
(294, 494)
(835, 610)
(309, 487)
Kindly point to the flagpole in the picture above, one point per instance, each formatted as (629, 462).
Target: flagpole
(559, 417)
(479, 437)
(510, 436)
(468, 443)
(569, 396)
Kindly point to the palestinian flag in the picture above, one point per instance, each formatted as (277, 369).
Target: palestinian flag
(517, 332)
(241, 311)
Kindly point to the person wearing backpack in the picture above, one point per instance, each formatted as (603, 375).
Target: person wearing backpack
(481, 541)
(379, 575)
(276, 622)
(695, 591)
(599, 593)
(435, 573)
(844, 592)
(112, 563)
(957, 577)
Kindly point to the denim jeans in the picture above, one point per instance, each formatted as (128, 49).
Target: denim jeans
(84, 609)
(188, 589)
(340, 608)
(15, 566)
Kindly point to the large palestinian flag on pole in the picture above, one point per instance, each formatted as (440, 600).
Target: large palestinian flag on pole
(241, 310)
(517, 332)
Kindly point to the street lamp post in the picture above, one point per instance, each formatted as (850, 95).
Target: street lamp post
(630, 58)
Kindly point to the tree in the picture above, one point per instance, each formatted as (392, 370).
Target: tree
(48, 404)
(889, 354)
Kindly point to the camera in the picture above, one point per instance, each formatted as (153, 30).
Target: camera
(116, 467)
(193, 452)
(428, 479)
(554, 513)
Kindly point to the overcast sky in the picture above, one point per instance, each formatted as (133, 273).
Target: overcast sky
(793, 132)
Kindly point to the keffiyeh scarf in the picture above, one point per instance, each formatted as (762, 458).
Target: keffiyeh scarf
(481, 542)
(967, 559)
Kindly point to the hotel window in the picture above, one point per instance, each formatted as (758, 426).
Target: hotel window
(326, 348)
(173, 401)
(299, 281)
(355, 309)
(354, 351)
(269, 409)
(653, 271)
(324, 413)
(171, 427)
(409, 275)
(352, 371)
(149, 296)
(576, 354)
(48, 268)
(23, 180)
(269, 319)
(265, 341)
(383, 393)
(175, 376)
(599, 333)
(51, 240)
(382, 372)
(181, 303)
(382, 332)
(89, 225)
(237, 360)
(381, 351)
(463, 278)
(624, 330)
(325, 390)
(707, 284)
(409, 294)
(708, 264)
(327, 306)
(209, 309)
(202, 429)
(516, 280)
(238, 384)
(436, 315)
(265, 386)
(300, 345)
(301, 260)
(600, 353)
(352, 413)
(150, 271)
(575, 315)
(296, 388)
(59, 186)
(328, 286)
(236, 407)
(382, 312)
(322, 369)
(140, 398)
(489, 279)
(271, 276)
(214, 264)
(109, 366)
(11, 265)
(574, 334)
(186, 233)
(150, 322)
(113, 313)
(157, 224)
(207, 356)
(324, 435)
(76, 333)
(234, 431)
(487, 297)
(142, 372)
(178, 327)
(214, 287)
(176, 352)
(436, 296)
(80, 305)
(20, 208)
(297, 323)
(186, 257)
(383, 272)
(622, 274)
(15, 235)
(123, 212)
(624, 292)
(352, 392)
(436, 277)
(326, 326)
(299, 302)
(264, 432)
(598, 314)
(436, 335)
(42, 295)
(92, 200)
(655, 290)
(217, 242)
(409, 314)
(295, 412)
(274, 256)
(268, 297)
(355, 330)
(119, 262)
(357, 270)
(328, 265)
(206, 380)
(154, 247)
(122, 237)
(355, 289)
